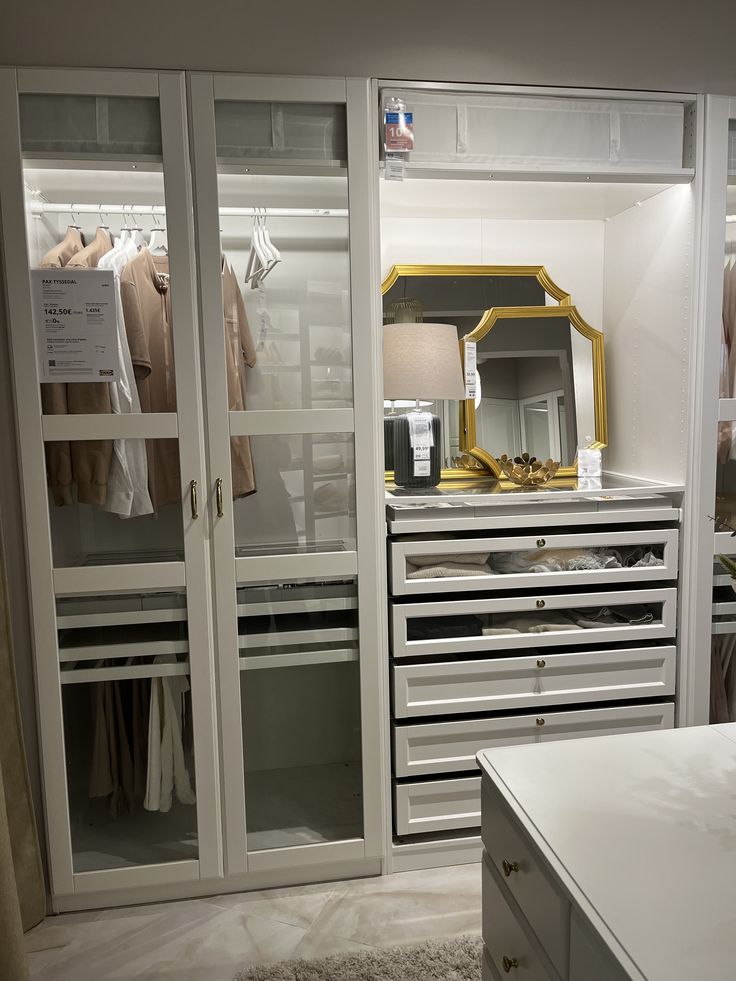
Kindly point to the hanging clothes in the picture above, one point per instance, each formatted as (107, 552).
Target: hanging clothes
(167, 768)
(127, 488)
(119, 749)
(54, 394)
(146, 302)
(239, 352)
(70, 245)
(90, 255)
(91, 458)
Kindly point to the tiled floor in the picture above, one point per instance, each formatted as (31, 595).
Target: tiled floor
(211, 939)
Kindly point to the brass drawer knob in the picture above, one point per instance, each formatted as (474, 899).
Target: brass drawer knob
(540, 604)
(509, 867)
(541, 663)
(509, 963)
(540, 721)
(541, 543)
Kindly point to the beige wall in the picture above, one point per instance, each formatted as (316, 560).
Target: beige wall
(672, 45)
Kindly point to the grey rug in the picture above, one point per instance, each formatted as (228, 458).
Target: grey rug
(450, 960)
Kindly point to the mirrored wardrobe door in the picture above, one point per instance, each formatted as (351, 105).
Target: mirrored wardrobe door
(99, 259)
(274, 238)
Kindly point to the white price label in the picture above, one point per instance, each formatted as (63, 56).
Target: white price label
(75, 317)
(422, 441)
(394, 170)
(470, 369)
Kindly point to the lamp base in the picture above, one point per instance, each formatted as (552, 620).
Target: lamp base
(404, 475)
(388, 441)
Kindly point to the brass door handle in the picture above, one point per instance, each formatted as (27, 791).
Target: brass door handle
(509, 867)
(541, 543)
(541, 663)
(540, 721)
(509, 963)
(218, 496)
(193, 498)
(540, 604)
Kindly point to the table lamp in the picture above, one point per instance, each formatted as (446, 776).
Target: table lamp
(420, 361)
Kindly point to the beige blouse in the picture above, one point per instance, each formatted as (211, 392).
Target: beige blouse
(145, 294)
(85, 462)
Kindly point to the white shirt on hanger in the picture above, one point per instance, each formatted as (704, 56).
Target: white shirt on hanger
(127, 487)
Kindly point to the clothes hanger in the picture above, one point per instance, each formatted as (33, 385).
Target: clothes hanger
(75, 220)
(136, 232)
(158, 243)
(275, 254)
(125, 233)
(259, 259)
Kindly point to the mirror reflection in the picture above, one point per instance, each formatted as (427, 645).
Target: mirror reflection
(460, 295)
(540, 385)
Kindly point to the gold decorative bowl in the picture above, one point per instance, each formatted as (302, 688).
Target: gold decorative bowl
(528, 471)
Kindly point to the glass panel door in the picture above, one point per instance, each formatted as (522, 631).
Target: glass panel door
(102, 313)
(271, 180)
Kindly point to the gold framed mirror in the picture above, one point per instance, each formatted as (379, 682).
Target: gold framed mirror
(541, 387)
(461, 294)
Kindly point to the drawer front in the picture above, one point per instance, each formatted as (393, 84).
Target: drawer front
(527, 681)
(510, 949)
(447, 564)
(513, 623)
(437, 805)
(451, 747)
(546, 910)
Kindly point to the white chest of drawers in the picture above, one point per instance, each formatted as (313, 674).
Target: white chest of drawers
(560, 623)
(611, 859)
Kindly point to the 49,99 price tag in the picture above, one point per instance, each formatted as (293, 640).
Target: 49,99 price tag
(422, 441)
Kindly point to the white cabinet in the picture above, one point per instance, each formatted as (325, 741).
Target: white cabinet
(508, 657)
(246, 584)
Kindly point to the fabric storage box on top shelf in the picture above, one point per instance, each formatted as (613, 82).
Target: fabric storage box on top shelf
(453, 563)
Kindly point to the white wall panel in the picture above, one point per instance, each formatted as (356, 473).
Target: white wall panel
(646, 318)
(443, 241)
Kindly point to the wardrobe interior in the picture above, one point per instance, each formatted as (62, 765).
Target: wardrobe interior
(621, 247)
(96, 163)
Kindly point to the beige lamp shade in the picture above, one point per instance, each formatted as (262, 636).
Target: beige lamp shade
(422, 361)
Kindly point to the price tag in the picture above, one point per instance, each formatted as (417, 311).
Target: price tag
(75, 318)
(399, 131)
(470, 370)
(422, 441)
(394, 169)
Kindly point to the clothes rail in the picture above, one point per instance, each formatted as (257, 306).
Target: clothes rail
(53, 208)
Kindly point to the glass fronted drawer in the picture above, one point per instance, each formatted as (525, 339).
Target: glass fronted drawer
(441, 564)
(501, 683)
(473, 625)
(426, 749)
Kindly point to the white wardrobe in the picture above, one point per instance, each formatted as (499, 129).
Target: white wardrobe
(267, 615)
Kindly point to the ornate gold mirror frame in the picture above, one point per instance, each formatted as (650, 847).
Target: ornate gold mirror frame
(477, 470)
(570, 313)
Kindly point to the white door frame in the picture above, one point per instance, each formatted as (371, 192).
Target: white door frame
(363, 421)
(43, 581)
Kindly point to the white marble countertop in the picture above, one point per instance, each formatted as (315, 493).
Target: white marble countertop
(641, 830)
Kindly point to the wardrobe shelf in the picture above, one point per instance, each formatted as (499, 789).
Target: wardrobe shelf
(138, 648)
(124, 617)
(288, 638)
(299, 659)
(278, 608)
(78, 676)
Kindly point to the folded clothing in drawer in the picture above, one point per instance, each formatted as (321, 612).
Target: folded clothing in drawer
(489, 624)
(448, 566)
(469, 564)
(437, 628)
